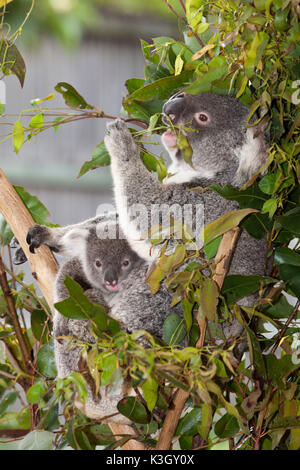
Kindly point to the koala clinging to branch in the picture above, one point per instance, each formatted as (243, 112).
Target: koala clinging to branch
(223, 152)
(112, 275)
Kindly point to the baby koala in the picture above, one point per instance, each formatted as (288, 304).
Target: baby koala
(112, 275)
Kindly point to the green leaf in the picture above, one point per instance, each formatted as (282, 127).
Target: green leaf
(109, 365)
(269, 207)
(225, 223)
(35, 393)
(280, 309)
(290, 274)
(211, 248)
(227, 426)
(7, 400)
(79, 381)
(37, 121)
(187, 308)
(256, 356)
(165, 265)
(290, 422)
(16, 420)
(160, 89)
(45, 361)
(133, 84)
(279, 369)
(206, 420)
(189, 423)
(237, 286)
(150, 392)
(18, 136)
(12, 61)
(102, 434)
(205, 83)
(37, 210)
(255, 52)
(100, 157)
(71, 96)
(38, 320)
(208, 299)
(285, 255)
(270, 183)
(37, 440)
(134, 410)
(174, 329)
(290, 222)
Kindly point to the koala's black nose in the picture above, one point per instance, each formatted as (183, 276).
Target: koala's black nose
(174, 107)
(111, 277)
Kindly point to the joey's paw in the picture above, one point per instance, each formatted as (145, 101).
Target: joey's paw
(37, 235)
(19, 257)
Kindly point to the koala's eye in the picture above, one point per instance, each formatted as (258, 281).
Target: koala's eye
(98, 263)
(125, 263)
(202, 118)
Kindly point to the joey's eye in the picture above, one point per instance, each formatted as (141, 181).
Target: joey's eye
(98, 263)
(202, 117)
(125, 263)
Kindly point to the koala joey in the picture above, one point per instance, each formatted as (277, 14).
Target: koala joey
(112, 275)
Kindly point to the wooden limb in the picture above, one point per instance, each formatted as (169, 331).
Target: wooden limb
(222, 263)
(43, 264)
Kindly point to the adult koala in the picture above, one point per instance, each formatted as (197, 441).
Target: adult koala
(224, 152)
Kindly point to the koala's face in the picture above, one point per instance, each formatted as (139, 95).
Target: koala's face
(217, 128)
(108, 262)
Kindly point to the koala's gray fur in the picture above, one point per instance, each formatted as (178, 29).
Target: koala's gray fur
(223, 152)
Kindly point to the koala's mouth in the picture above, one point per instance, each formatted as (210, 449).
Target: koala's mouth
(169, 138)
(113, 288)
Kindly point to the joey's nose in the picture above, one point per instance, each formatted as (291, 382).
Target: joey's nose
(113, 283)
(174, 107)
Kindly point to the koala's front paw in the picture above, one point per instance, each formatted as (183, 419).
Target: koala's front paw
(37, 235)
(19, 257)
(119, 141)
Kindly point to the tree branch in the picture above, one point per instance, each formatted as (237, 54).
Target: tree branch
(43, 264)
(222, 263)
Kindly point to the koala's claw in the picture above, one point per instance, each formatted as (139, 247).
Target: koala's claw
(36, 236)
(19, 257)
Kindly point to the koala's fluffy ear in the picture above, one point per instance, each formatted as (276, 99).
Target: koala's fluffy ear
(253, 153)
(74, 241)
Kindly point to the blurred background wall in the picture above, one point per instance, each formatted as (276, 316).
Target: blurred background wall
(93, 45)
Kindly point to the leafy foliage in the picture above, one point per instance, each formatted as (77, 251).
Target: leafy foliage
(250, 50)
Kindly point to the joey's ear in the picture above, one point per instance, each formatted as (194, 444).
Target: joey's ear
(253, 153)
(74, 241)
